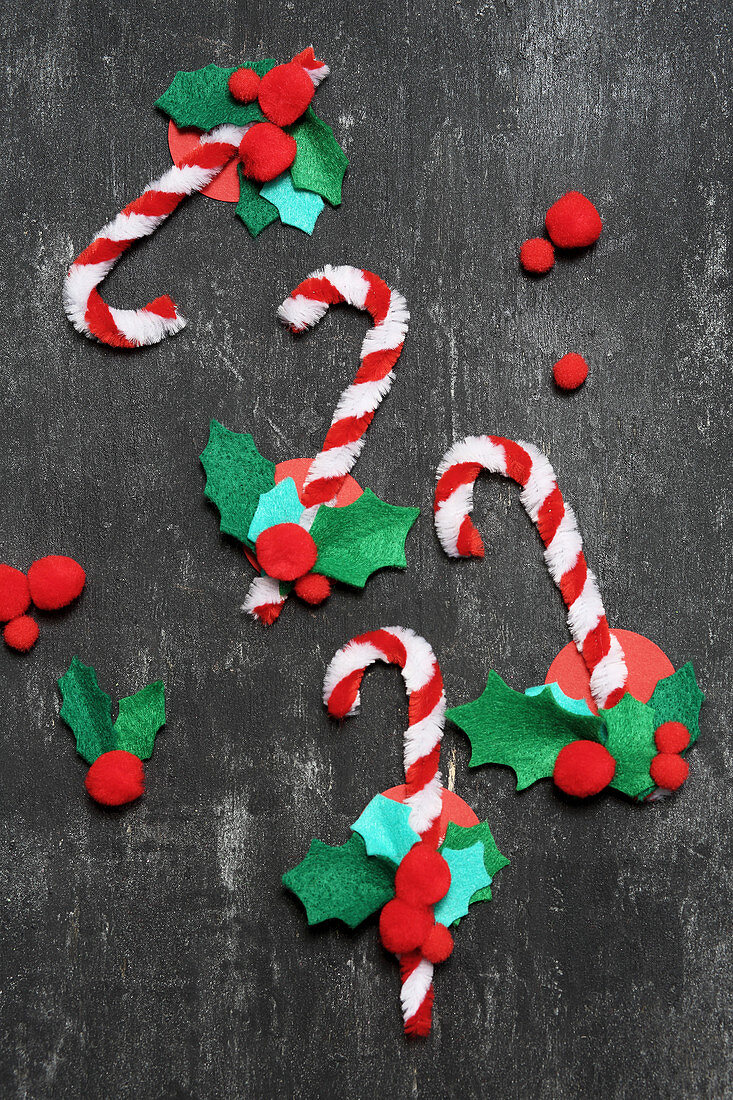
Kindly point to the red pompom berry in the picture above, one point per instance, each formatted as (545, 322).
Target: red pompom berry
(669, 770)
(438, 944)
(55, 581)
(21, 633)
(571, 371)
(286, 551)
(537, 256)
(403, 927)
(423, 876)
(265, 151)
(285, 93)
(672, 737)
(583, 768)
(313, 588)
(244, 84)
(573, 221)
(15, 596)
(115, 778)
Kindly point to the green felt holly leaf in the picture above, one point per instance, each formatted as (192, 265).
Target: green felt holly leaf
(202, 98)
(630, 727)
(341, 883)
(356, 540)
(87, 710)
(524, 732)
(458, 837)
(140, 717)
(236, 477)
(320, 162)
(468, 876)
(255, 211)
(677, 698)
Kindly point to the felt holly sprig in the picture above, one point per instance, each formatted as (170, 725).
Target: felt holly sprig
(51, 583)
(407, 856)
(634, 727)
(116, 750)
(307, 523)
(288, 159)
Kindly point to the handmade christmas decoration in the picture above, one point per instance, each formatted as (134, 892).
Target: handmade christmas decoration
(573, 221)
(116, 750)
(571, 371)
(613, 712)
(306, 522)
(256, 118)
(417, 852)
(52, 582)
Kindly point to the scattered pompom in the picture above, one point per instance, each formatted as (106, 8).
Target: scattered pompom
(571, 371)
(313, 588)
(583, 768)
(265, 151)
(285, 93)
(672, 737)
(15, 596)
(537, 256)
(21, 633)
(286, 551)
(573, 221)
(669, 770)
(403, 927)
(423, 876)
(244, 84)
(438, 944)
(115, 778)
(55, 581)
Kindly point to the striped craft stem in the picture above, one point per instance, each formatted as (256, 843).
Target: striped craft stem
(558, 529)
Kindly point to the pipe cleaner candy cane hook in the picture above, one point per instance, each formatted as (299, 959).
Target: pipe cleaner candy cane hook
(408, 856)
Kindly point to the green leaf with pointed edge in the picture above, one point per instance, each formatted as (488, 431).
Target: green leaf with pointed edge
(630, 727)
(341, 883)
(202, 98)
(140, 717)
(524, 732)
(356, 540)
(256, 213)
(677, 698)
(236, 477)
(458, 837)
(320, 162)
(87, 710)
(468, 876)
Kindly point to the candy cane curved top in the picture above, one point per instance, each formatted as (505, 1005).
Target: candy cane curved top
(558, 529)
(380, 351)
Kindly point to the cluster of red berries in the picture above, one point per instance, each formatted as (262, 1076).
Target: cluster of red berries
(287, 552)
(406, 923)
(283, 94)
(668, 768)
(51, 583)
(585, 768)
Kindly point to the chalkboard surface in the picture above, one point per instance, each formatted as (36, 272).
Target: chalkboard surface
(152, 952)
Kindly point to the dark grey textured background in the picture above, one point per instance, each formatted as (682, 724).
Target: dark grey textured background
(152, 952)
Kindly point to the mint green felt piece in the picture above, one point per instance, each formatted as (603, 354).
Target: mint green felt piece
(458, 837)
(236, 477)
(87, 710)
(296, 208)
(630, 727)
(202, 98)
(256, 212)
(341, 883)
(677, 698)
(384, 828)
(356, 540)
(320, 162)
(140, 717)
(575, 706)
(279, 505)
(467, 877)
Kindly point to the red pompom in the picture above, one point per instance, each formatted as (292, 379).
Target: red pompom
(265, 151)
(285, 93)
(286, 551)
(21, 633)
(15, 596)
(55, 581)
(583, 768)
(537, 256)
(115, 778)
(669, 770)
(423, 876)
(313, 588)
(573, 221)
(438, 944)
(403, 927)
(672, 737)
(571, 371)
(244, 84)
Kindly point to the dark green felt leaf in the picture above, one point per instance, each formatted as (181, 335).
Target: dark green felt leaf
(460, 836)
(630, 727)
(354, 541)
(320, 162)
(236, 476)
(256, 213)
(341, 883)
(524, 732)
(87, 710)
(677, 698)
(140, 717)
(202, 98)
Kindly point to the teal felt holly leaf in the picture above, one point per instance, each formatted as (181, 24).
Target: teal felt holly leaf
(87, 710)
(297, 208)
(677, 698)
(356, 540)
(254, 210)
(279, 505)
(236, 477)
(320, 162)
(630, 727)
(458, 837)
(384, 828)
(468, 876)
(577, 706)
(342, 883)
(523, 732)
(140, 717)
(202, 98)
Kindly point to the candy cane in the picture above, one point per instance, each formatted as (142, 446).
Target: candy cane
(558, 530)
(421, 673)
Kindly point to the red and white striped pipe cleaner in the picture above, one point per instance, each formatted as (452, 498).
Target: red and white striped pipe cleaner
(421, 673)
(558, 529)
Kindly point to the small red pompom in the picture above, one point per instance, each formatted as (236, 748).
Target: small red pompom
(573, 221)
(265, 151)
(403, 927)
(423, 876)
(438, 944)
(571, 371)
(21, 633)
(583, 768)
(669, 770)
(313, 588)
(55, 581)
(286, 551)
(15, 596)
(115, 778)
(672, 737)
(244, 84)
(537, 256)
(285, 93)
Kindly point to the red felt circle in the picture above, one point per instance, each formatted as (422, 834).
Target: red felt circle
(403, 927)
(573, 221)
(225, 186)
(15, 596)
(672, 737)
(571, 371)
(115, 778)
(453, 809)
(286, 551)
(438, 944)
(21, 633)
(646, 662)
(244, 84)
(423, 876)
(669, 770)
(313, 588)
(55, 581)
(583, 768)
(265, 151)
(285, 93)
(537, 256)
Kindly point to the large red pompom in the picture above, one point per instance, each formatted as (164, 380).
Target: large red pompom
(571, 371)
(286, 551)
(21, 633)
(438, 944)
(55, 581)
(314, 588)
(15, 596)
(537, 256)
(244, 84)
(115, 778)
(573, 221)
(285, 93)
(265, 151)
(423, 876)
(583, 768)
(669, 770)
(403, 927)
(672, 737)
